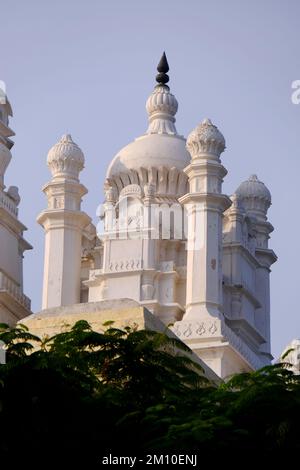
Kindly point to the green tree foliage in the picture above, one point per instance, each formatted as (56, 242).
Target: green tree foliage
(81, 395)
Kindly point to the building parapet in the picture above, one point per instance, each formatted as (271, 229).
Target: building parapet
(13, 289)
(8, 204)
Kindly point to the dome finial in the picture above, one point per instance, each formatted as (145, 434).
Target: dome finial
(163, 68)
(65, 159)
(206, 139)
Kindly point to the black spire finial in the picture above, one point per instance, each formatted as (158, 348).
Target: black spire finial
(163, 67)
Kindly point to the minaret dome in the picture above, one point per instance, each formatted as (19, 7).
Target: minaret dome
(65, 159)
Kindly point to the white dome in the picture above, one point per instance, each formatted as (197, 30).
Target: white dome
(5, 157)
(159, 156)
(253, 188)
(65, 159)
(254, 195)
(160, 147)
(150, 150)
(206, 138)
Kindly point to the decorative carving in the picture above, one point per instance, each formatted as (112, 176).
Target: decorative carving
(125, 265)
(110, 194)
(204, 328)
(201, 329)
(205, 138)
(214, 328)
(149, 177)
(65, 158)
(131, 190)
(188, 330)
(149, 190)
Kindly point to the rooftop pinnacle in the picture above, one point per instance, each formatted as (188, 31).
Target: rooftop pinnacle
(163, 67)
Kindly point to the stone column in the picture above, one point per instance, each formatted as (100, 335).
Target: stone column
(235, 217)
(205, 205)
(150, 245)
(63, 222)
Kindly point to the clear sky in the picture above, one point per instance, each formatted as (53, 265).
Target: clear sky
(87, 68)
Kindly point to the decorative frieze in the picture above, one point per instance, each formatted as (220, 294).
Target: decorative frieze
(125, 265)
(162, 182)
(204, 328)
(216, 329)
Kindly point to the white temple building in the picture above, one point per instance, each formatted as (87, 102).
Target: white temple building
(198, 260)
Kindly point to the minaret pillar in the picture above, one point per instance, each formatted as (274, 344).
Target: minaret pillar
(205, 205)
(63, 222)
(256, 199)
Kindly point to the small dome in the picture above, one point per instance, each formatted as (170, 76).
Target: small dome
(205, 138)
(13, 193)
(65, 159)
(253, 188)
(5, 157)
(254, 195)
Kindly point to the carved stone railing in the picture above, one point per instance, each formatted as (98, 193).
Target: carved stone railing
(12, 288)
(8, 204)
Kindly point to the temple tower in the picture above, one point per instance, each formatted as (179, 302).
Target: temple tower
(211, 281)
(142, 257)
(205, 205)
(63, 222)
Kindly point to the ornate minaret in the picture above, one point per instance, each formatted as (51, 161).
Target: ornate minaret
(14, 305)
(205, 205)
(63, 222)
(255, 198)
(205, 326)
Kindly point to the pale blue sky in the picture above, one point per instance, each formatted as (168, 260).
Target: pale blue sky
(87, 68)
